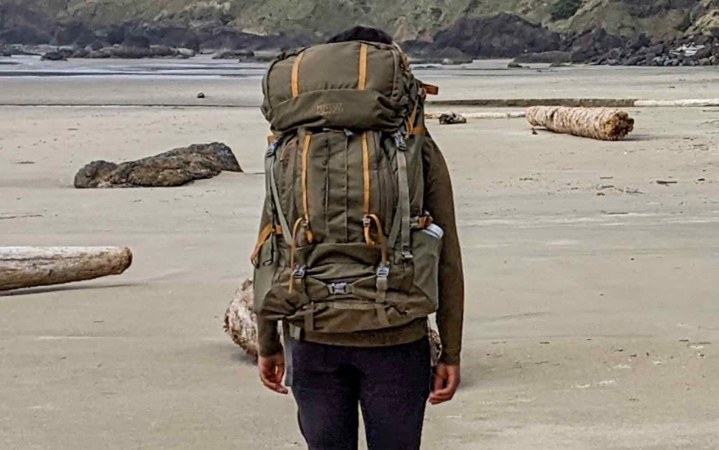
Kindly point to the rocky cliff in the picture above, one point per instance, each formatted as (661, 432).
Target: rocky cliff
(252, 24)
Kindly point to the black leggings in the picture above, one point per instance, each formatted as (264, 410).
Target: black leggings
(390, 384)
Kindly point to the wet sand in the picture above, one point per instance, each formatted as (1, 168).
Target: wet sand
(592, 310)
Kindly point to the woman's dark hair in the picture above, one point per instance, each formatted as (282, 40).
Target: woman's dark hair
(360, 33)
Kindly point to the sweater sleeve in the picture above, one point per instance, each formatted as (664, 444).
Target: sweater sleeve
(439, 201)
(268, 336)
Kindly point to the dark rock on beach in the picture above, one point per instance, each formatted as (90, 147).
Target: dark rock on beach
(553, 57)
(451, 119)
(678, 52)
(242, 55)
(125, 52)
(173, 168)
(54, 56)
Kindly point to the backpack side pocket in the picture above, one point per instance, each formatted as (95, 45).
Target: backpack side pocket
(266, 263)
(426, 249)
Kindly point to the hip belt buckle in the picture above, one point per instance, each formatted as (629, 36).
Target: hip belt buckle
(338, 288)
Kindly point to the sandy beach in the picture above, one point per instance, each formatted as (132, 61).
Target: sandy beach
(593, 291)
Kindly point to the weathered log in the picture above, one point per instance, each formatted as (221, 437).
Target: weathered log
(241, 324)
(24, 267)
(596, 123)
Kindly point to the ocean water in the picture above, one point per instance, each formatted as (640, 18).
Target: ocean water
(481, 79)
(200, 66)
(32, 66)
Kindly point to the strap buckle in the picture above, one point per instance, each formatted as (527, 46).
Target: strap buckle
(272, 148)
(383, 278)
(338, 288)
(299, 273)
(383, 271)
(399, 141)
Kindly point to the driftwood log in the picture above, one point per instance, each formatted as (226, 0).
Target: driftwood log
(596, 123)
(241, 321)
(24, 267)
(241, 324)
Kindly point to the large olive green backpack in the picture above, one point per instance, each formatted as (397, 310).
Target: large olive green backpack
(350, 246)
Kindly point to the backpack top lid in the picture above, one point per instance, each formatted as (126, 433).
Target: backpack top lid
(347, 85)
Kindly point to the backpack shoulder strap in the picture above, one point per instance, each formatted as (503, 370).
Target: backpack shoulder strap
(273, 194)
(401, 225)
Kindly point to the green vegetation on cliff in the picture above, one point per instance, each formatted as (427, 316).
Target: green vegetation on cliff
(405, 19)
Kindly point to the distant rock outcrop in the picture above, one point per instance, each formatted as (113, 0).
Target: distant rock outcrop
(131, 52)
(172, 168)
(453, 31)
(502, 35)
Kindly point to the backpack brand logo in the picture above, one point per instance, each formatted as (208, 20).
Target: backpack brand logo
(329, 109)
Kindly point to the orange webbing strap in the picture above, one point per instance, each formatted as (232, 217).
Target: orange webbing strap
(418, 130)
(412, 119)
(305, 199)
(372, 218)
(271, 139)
(366, 170)
(263, 237)
(430, 89)
(296, 75)
(362, 83)
(367, 188)
(368, 232)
